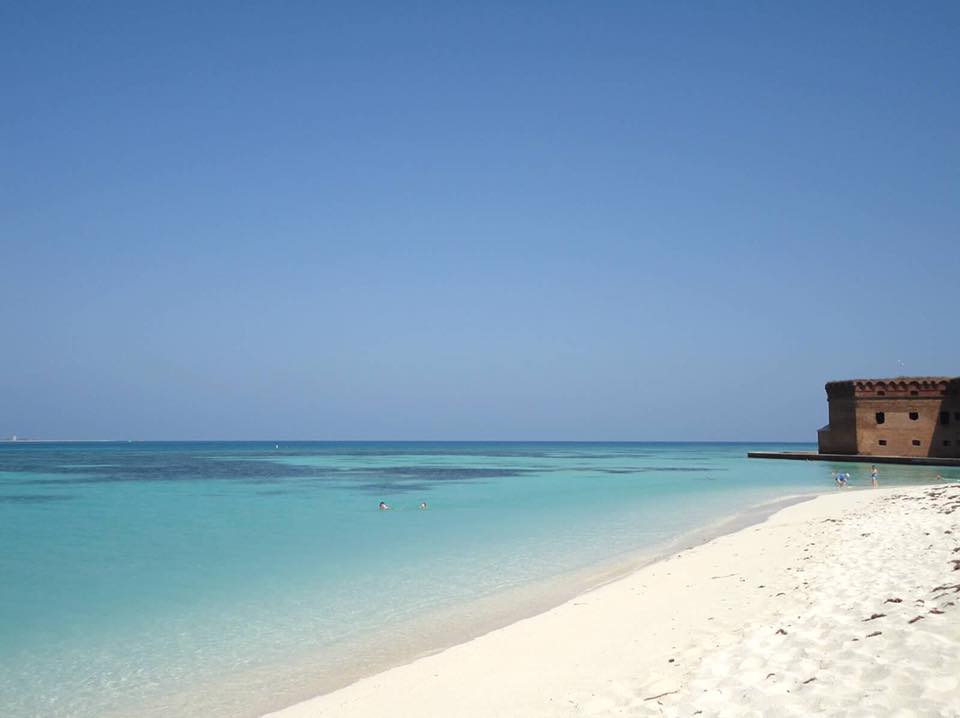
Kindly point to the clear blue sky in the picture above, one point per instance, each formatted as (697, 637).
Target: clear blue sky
(638, 220)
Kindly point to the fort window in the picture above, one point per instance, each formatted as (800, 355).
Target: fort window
(916, 442)
(913, 392)
(914, 416)
(944, 417)
(881, 417)
(946, 442)
(881, 393)
(956, 416)
(882, 442)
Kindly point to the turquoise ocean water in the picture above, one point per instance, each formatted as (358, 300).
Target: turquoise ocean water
(229, 579)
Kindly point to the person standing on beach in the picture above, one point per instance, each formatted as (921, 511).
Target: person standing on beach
(874, 473)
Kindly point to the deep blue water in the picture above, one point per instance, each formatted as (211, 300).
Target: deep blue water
(227, 579)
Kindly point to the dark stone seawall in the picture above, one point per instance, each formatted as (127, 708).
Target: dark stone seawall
(858, 458)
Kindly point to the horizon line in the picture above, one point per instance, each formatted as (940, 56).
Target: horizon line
(406, 441)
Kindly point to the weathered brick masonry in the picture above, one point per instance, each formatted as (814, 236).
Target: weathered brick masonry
(905, 416)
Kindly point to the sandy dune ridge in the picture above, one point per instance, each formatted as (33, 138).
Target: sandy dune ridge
(848, 604)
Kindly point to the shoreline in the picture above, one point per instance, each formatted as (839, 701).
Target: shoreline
(640, 634)
(444, 629)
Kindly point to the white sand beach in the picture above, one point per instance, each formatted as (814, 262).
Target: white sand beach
(844, 605)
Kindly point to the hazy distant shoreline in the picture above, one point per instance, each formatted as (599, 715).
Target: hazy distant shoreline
(66, 441)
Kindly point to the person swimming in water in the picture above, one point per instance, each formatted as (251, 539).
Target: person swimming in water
(423, 505)
(383, 506)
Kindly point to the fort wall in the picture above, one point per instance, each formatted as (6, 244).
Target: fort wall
(906, 416)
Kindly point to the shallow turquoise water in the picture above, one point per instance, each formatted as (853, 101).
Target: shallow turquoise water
(227, 579)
